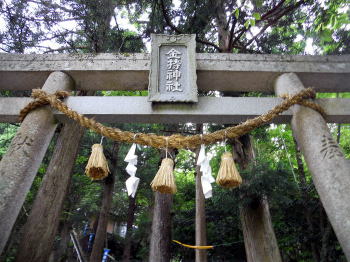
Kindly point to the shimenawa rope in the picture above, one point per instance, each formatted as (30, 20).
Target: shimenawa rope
(176, 140)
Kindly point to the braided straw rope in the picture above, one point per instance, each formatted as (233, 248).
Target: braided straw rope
(176, 140)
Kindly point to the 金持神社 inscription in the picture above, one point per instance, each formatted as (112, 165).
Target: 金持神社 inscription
(173, 69)
(173, 73)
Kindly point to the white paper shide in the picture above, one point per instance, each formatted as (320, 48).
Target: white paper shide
(206, 179)
(132, 182)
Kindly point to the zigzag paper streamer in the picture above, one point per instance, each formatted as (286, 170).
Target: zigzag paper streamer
(132, 182)
(204, 162)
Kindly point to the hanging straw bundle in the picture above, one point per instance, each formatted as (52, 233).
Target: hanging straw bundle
(97, 166)
(228, 176)
(164, 181)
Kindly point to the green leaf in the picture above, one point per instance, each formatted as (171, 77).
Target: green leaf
(237, 13)
(333, 21)
(259, 3)
(257, 16)
(252, 22)
(326, 35)
(247, 23)
(318, 27)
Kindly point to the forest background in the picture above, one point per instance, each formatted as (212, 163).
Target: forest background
(277, 172)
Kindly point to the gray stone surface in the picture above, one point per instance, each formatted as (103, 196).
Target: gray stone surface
(223, 72)
(327, 164)
(22, 160)
(208, 109)
(172, 76)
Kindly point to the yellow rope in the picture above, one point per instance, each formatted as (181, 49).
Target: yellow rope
(173, 141)
(194, 247)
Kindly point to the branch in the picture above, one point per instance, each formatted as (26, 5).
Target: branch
(204, 42)
(273, 12)
(3, 49)
(52, 5)
(242, 48)
(178, 31)
(59, 34)
(260, 32)
(234, 21)
(194, 17)
(264, 17)
(168, 19)
(274, 21)
(270, 12)
(241, 32)
(63, 48)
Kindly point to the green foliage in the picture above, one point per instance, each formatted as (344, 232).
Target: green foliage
(7, 132)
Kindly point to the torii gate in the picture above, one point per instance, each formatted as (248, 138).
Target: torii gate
(281, 74)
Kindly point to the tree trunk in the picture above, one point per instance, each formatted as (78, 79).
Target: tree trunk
(101, 232)
(222, 27)
(21, 162)
(60, 254)
(201, 230)
(244, 154)
(41, 226)
(259, 236)
(201, 227)
(327, 164)
(130, 222)
(161, 228)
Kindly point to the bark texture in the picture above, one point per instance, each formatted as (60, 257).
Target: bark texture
(60, 253)
(201, 229)
(129, 224)
(259, 236)
(201, 226)
(42, 224)
(101, 232)
(21, 162)
(244, 154)
(222, 27)
(161, 228)
(326, 162)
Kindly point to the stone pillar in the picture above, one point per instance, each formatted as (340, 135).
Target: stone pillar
(329, 169)
(42, 224)
(21, 162)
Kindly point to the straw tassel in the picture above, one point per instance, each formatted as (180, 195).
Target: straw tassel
(97, 166)
(164, 181)
(228, 175)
